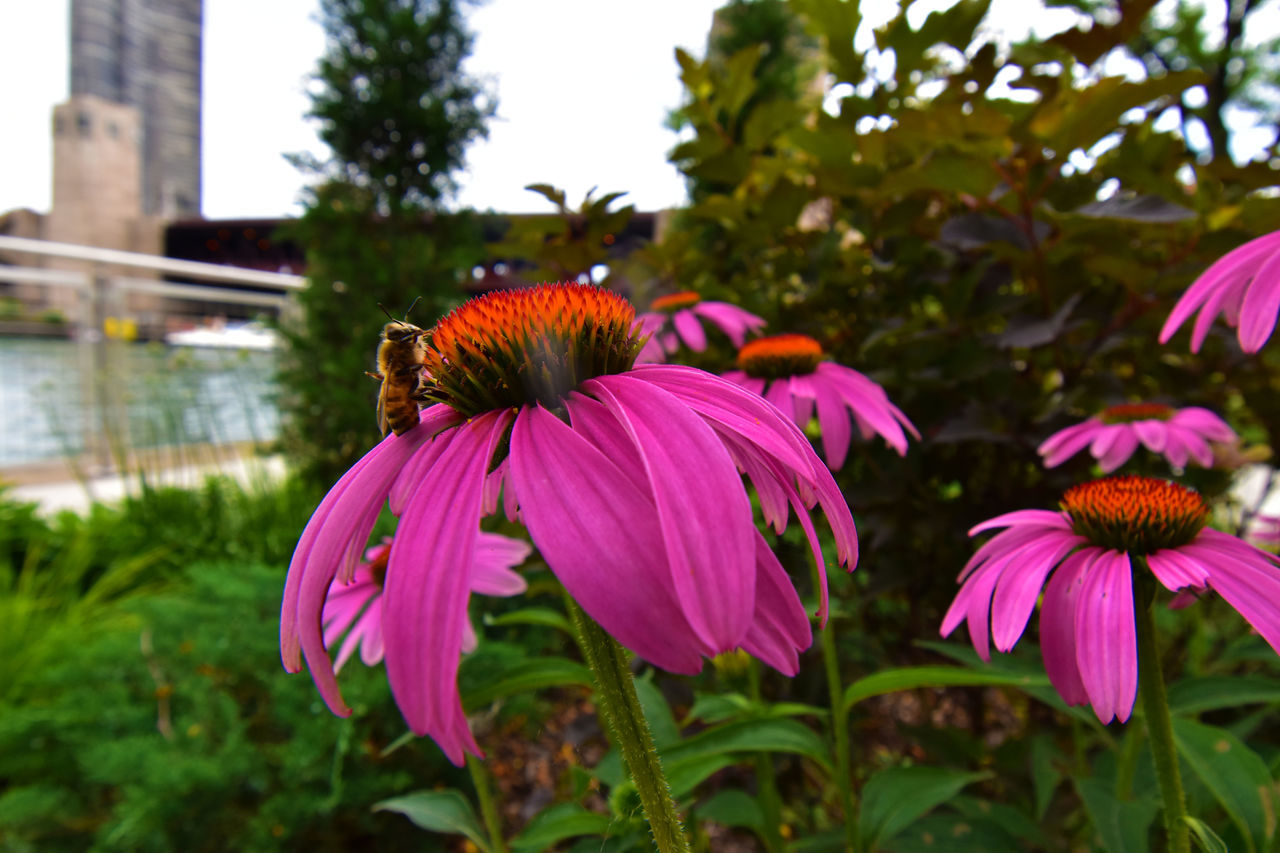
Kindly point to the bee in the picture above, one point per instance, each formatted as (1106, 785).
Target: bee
(401, 354)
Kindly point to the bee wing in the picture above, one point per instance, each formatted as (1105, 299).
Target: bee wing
(382, 407)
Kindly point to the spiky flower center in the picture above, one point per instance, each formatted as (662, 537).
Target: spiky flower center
(675, 301)
(780, 355)
(1127, 413)
(535, 345)
(1135, 514)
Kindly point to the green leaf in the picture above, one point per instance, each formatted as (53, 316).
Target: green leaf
(1121, 824)
(662, 724)
(557, 823)
(894, 798)
(1204, 837)
(1234, 774)
(1044, 776)
(542, 616)
(446, 811)
(531, 674)
(752, 736)
(686, 774)
(733, 808)
(910, 678)
(1212, 692)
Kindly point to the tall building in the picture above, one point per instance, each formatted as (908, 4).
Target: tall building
(146, 54)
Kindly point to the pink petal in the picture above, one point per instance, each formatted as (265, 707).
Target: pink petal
(1203, 422)
(600, 536)
(730, 409)
(1058, 625)
(1106, 637)
(779, 394)
(703, 510)
(1153, 434)
(1122, 445)
(1024, 517)
(1077, 436)
(1261, 304)
(1019, 588)
(428, 584)
(735, 322)
(1246, 577)
(689, 329)
(330, 546)
(802, 396)
(867, 400)
(1176, 571)
(780, 627)
(491, 572)
(837, 430)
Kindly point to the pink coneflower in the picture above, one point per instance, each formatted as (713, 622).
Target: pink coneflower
(790, 371)
(678, 317)
(1113, 435)
(1244, 286)
(1106, 530)
(355, 608)
(627, 479)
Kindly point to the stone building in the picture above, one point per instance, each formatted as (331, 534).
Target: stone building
(147, 55)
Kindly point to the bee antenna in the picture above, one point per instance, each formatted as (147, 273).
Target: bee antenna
(410, 308)
(385, 311)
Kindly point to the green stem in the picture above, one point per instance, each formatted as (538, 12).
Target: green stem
(1155, 708)
(839, 725)
(766, 783)
(620, 708)
(488, 808)
(1127, 763)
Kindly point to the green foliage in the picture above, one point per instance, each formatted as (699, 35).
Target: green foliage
(398, 111)
(178, 730)
(357, 261)
(569, 243)
(392, 99)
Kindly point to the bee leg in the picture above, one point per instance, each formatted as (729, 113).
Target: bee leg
(377, 376)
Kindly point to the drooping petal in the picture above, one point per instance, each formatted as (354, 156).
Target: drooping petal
(803, 394)
(754, 384)
(1232, 269)
(730, 409)
(703, 511)
(330, 546)
(689, 329)
(779, 394)
(1261, 304)
(1122, 445)
(1016, 593)
(1024, 517)
(1058, 625)
(491, 572)
(1203, 422)
(1152, 433)
(735, 322)
(1246, 577)
(869, 402)
(837, 430)
(1176, 571)
(1065, 443)
(428, 584)
(600, 536)
(780, 627)
(1107, 638)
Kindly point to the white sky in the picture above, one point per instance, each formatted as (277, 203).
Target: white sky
(583, 89)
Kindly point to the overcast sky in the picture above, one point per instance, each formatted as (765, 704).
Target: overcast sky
(583, 89)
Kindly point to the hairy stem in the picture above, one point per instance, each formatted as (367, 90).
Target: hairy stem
(620, 708)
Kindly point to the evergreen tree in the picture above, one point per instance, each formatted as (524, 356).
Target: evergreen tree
(397, 111)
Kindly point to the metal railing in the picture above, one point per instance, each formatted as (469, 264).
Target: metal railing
(101, 290)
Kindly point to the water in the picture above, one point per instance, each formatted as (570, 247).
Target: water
(52, 397)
